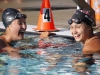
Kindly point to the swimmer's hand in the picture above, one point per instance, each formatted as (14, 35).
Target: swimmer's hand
(44, 34)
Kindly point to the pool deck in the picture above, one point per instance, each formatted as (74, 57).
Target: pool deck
(61, 32)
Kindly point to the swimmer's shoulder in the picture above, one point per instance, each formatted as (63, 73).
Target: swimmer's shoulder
(93, 46)
(95, 40)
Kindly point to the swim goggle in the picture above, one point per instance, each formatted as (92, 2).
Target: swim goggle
(77, 21)
(19, 15)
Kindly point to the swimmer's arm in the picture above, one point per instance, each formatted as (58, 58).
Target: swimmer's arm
(13, 52)
(10, 50)
(86, 59)
(5, 47)
(92, 47)
(86, 55)
(87, 52)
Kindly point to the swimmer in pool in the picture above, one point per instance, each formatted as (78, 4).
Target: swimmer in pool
(81, 24)
(15, 26)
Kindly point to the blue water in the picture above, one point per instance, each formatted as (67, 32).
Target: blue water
(54, 61)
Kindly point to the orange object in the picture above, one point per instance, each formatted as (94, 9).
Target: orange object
(45, 22)
(95, 4)
(40, 52)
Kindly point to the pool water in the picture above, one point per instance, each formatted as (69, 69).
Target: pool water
(45, 61)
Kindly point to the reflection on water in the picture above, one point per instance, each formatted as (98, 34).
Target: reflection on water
(53, 61)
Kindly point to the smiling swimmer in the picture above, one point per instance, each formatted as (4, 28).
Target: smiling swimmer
(15, 26)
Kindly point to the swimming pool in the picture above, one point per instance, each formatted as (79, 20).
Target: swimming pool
(46, 61)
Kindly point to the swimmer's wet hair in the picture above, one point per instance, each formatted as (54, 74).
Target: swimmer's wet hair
(9, 15)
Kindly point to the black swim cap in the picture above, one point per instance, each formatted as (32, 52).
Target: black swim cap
(9, 15)
(83, 15)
